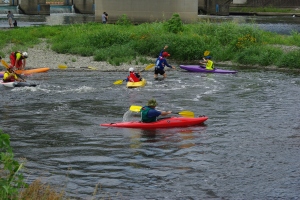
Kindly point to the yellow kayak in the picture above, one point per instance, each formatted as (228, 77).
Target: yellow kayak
(141, 83)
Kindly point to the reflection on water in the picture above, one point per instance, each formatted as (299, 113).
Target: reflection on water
(249, 143)
(278, 24)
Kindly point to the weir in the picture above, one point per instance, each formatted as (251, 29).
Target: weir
(53, 9)
(143, 10)
(40, 7)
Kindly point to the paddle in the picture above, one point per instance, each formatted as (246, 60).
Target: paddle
(184, 113)
(206, 53)
(60, 66)
(148, 67)
(119, 82)
(7, 66)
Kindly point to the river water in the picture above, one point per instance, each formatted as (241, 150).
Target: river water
(247, 149)
(62, 15)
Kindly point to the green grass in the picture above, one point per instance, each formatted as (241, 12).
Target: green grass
(263, 9)
(124, 43)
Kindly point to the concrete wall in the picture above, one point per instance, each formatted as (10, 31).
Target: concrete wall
(273, 3)
(84, 6)
(214, 7)
(34, 7)
(218, 7)
(139, 11)
(239, 1)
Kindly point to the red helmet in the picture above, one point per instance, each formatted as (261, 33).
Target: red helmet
(165, 54)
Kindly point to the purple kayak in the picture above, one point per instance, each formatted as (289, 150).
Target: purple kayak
(201, 69)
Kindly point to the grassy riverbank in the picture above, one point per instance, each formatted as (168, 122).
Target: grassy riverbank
(123, 42)
(245, 9)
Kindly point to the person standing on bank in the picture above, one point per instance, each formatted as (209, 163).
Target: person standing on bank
(104, 18)
(10, 17)
(161, 62)
(17, 58)
(149, 114)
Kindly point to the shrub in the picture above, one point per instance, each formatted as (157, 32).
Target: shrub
(290, 60)
(174, 25)
(124, 21)
(11, 180)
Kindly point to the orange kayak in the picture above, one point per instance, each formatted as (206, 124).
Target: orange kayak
(32, 71)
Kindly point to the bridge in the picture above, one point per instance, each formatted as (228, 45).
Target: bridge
(139, 11)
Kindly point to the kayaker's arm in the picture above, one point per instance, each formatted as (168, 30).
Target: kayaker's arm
(164, 113)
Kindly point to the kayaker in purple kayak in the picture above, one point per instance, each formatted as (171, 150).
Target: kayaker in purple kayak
(161, 62)
(149, 114)
(209, 64)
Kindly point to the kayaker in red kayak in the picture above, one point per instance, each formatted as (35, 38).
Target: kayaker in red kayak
(18, 59)
(10, 76)
(149, 114)
(133, 76)
(161, 62)
(209, 64)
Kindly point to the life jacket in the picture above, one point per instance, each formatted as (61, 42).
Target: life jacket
(209, 65)
(133, 78)
(7, 74)
(15, 55)
(144, 112)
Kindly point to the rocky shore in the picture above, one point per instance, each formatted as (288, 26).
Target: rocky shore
(41, 55)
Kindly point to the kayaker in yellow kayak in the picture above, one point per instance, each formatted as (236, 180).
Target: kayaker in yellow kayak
(10, 76)
(209, 64)
(133, 76)
(149, 114)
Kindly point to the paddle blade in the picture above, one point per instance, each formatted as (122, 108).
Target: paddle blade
(92, 68)
(135, 108)
(118, 82)
(187, 113)
(206, 53)
(149, 66)
(4, 63)
(62, 66)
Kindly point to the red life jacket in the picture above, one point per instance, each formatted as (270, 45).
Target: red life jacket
(132, 77)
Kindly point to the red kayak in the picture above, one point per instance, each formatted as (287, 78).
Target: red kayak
(162, 123)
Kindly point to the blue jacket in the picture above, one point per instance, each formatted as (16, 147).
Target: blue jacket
(161, 62)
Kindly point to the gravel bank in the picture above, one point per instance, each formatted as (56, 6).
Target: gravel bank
(41, 55)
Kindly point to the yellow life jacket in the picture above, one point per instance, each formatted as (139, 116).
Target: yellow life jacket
(7, 74)
(209, 65)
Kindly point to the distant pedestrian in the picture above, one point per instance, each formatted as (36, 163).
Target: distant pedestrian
(104, 18)
(15, 23)
(10, 17)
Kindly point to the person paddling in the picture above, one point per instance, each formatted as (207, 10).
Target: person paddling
(133, 76)
(150, 114)
(10, 76)
(209, 64)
